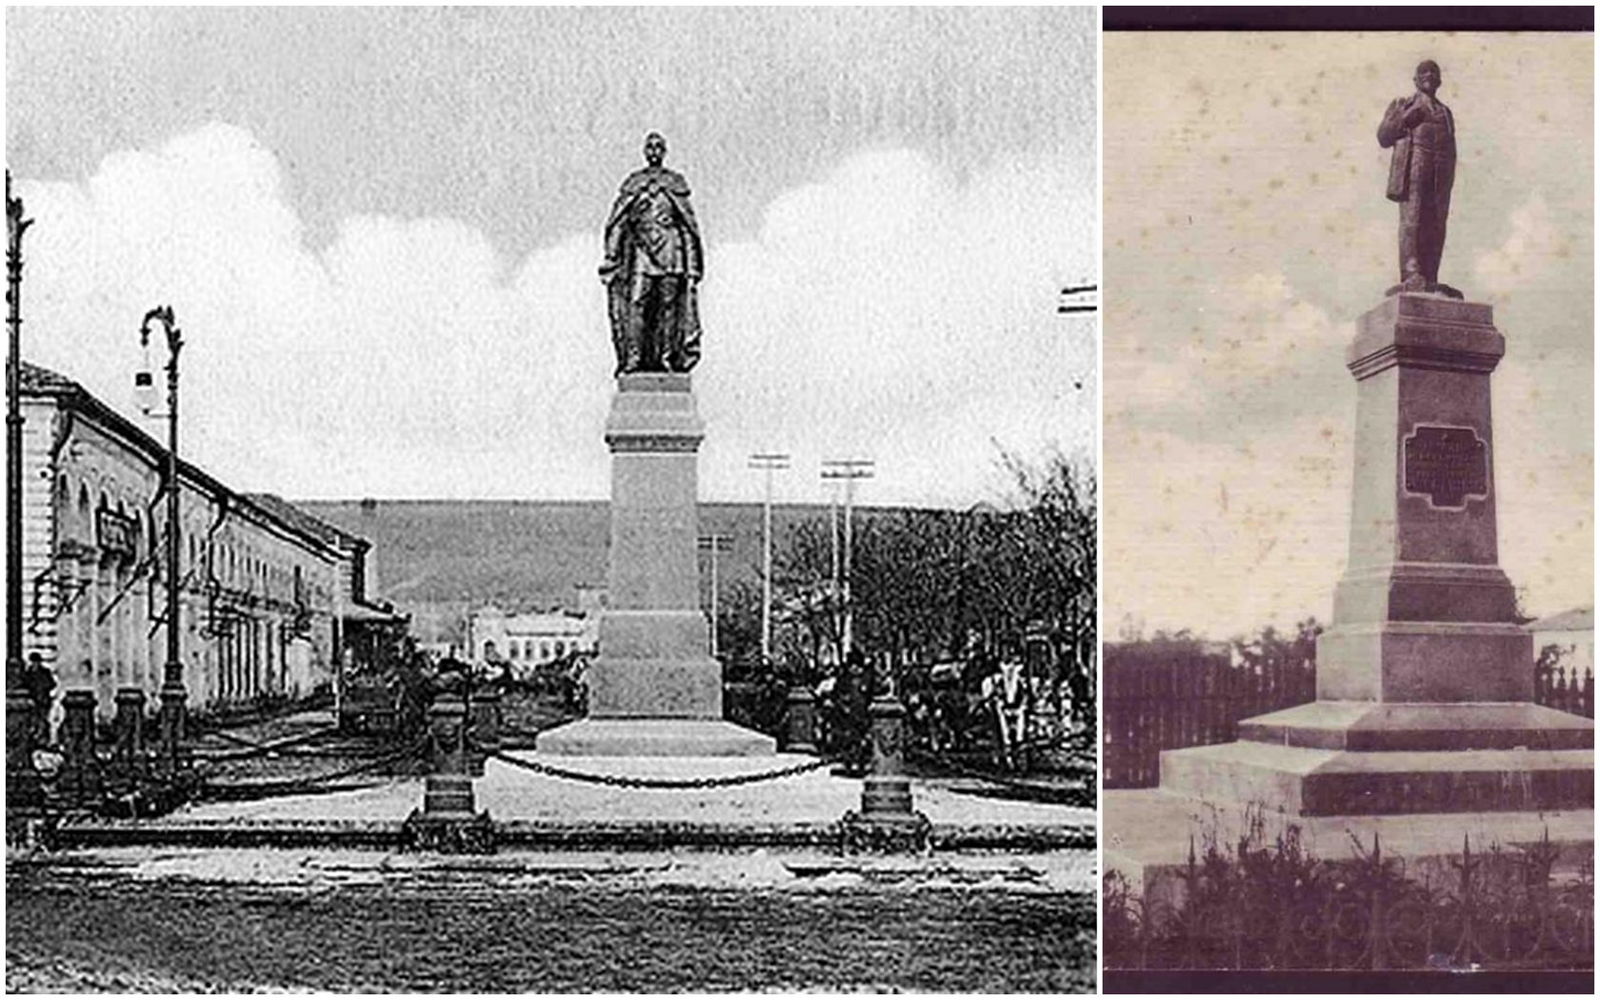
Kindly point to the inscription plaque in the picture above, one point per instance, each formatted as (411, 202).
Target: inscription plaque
(1448, 465)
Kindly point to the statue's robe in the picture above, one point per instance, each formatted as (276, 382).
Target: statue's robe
(678, 339)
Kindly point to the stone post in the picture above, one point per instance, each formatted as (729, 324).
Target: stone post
(448, 821)
(447, 791)
(129, 726)
(887, 791)
(80, 769)
(22, 781)
(887, 822)
(800, 721)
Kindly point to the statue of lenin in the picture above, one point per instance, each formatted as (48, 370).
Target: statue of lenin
(1422, 170)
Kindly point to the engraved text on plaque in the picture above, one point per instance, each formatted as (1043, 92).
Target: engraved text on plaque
(1448, 465)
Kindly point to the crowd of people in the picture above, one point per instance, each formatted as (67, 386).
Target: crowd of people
(985, 705)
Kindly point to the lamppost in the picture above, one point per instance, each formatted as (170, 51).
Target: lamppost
(173, 694)
(19, 704)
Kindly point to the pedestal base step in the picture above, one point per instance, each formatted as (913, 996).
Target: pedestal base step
(1321, 782)
(1396, 726)
(655, 738)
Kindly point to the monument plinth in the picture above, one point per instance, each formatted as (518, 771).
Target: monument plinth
(1423, 584)
(1424, 679)
(654, 690)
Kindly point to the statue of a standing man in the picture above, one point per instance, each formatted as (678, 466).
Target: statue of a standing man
(654, 260)
(1421, 173)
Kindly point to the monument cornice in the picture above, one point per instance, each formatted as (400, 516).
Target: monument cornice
(673, 443)
(1445, 359)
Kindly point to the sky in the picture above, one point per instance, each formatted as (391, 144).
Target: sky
(1246, 229)
(379, 231)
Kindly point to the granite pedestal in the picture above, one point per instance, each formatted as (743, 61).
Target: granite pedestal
(654, 690)
(1425, 679)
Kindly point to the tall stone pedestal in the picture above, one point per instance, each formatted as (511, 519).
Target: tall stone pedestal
(654, 690)
(1424, 680)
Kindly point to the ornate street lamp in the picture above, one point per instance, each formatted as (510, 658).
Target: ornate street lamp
(19, 705)
(173, 694)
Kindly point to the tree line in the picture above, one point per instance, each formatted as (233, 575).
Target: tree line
(932, 585)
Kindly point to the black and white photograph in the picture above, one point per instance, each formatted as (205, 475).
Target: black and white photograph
(1348, 644)
(532, 500)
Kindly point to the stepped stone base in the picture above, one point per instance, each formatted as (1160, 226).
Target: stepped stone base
(1365, 726)
(655, 738)
(1329, 780)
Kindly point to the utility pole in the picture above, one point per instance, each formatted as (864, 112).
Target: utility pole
(833, 537)
(848, 470)
(714, 543)
(770, 462)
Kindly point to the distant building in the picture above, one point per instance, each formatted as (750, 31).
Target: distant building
(528, 639)
(265, 589)
(1572, 635)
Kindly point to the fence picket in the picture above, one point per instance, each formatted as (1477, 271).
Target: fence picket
(1173, 700)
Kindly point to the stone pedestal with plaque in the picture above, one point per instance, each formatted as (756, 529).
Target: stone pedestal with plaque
(1425, 679)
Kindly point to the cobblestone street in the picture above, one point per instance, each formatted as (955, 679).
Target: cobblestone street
(83, 925)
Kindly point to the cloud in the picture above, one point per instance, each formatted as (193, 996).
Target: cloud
(1263, 521)
(1243, 352)
(1524, 260)
(887, 308)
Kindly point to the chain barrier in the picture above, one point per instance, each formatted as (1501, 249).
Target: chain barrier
(289, 786)
(668, 784)
(1067, 794)
(254, 749)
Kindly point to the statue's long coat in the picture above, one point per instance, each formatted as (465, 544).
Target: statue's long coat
(683, 344)
(1391, 132)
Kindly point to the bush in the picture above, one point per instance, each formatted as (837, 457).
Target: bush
(1262, 903)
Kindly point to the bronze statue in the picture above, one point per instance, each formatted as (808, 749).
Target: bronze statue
(653, 264)
(1421, 172)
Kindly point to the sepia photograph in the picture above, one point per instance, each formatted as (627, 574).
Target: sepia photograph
(1347, 664)
(533, 500)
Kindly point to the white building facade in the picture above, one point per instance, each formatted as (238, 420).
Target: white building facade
(529, 639)
(260, 595)
(1572, 635)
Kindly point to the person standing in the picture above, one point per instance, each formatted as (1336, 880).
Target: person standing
(40, 684)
